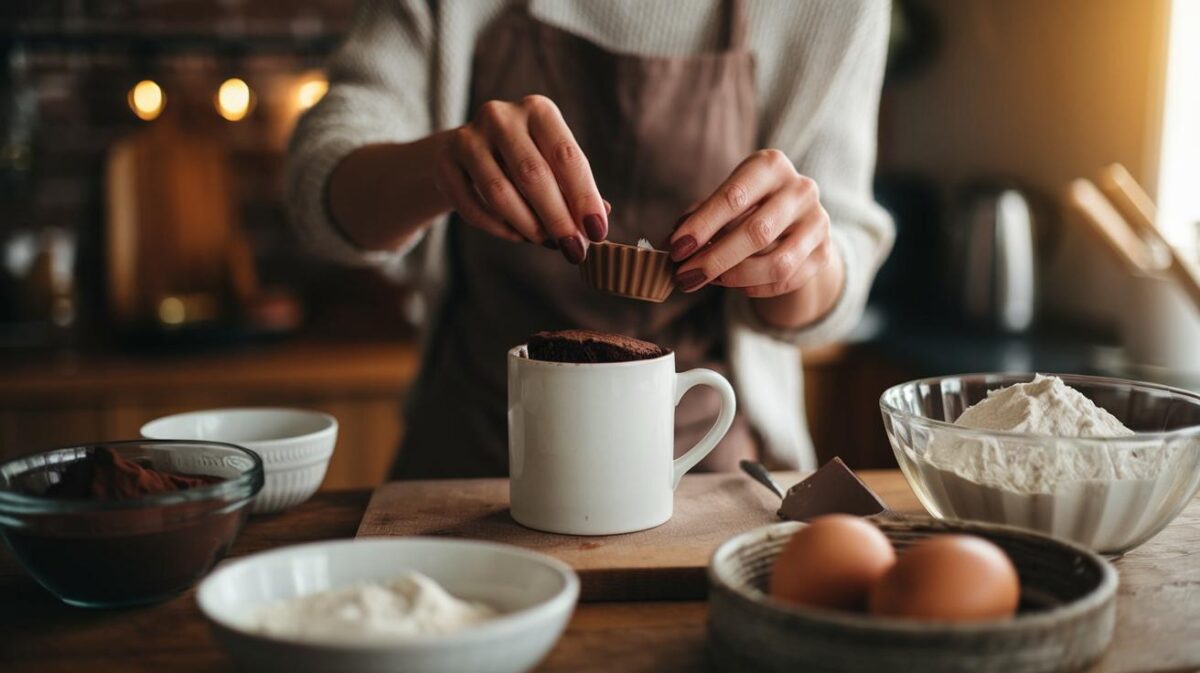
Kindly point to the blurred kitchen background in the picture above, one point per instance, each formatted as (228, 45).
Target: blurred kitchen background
(146, 266)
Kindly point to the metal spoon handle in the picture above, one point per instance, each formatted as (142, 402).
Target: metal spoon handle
(758, 472)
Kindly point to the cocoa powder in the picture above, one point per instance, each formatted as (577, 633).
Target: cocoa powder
(106, 475)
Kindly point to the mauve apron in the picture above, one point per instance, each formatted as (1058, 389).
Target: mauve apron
(661, 132)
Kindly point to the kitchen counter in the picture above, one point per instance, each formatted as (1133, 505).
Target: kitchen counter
(933, 346)
(1158, 609)
(294, 365)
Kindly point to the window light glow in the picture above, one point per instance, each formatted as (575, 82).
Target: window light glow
(1179, 159)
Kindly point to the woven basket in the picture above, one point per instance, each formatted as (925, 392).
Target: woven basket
(629, 271)
(1064, 623)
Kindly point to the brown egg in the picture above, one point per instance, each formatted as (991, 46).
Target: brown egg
(832, 563)
(949, 578)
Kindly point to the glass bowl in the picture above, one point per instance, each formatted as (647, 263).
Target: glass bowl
(113, 553)
(1109, 494)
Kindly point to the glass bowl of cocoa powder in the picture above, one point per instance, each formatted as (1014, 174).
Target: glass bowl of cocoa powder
(125, 523)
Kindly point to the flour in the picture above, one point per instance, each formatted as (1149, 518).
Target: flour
(1045, 406)
(1093, 492)
(644, 244)
(409, 606)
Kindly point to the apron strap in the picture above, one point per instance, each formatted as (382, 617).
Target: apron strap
(735, 24)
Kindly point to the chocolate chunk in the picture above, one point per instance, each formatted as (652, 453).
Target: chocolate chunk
(833, 489)
(582, 346)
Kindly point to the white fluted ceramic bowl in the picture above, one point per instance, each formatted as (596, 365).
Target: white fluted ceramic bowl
(295, 446)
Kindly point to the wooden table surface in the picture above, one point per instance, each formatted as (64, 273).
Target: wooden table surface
(1158, 610)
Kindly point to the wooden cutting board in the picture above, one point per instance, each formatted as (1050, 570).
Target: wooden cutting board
(664, 563)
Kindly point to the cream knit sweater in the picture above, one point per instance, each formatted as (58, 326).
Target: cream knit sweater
(404, 71)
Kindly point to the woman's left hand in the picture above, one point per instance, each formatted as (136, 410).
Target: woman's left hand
(763, 232)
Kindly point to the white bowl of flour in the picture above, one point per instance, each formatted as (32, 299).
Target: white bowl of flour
(402, 605)
(1102, 462)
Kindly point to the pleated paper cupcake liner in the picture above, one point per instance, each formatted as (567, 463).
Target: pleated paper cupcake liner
(629, 271)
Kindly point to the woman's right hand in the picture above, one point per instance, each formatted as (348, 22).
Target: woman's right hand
(516, 172)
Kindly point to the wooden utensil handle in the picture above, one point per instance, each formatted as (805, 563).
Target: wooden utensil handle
(1083, 198)
(1138, 208)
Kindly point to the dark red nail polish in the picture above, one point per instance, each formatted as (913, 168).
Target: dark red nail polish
(595, 227)
(690, 280)
(682, 248)
(549, 244)
(572, 249)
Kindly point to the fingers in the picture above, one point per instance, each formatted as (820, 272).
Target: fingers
(781, 263)
(499, 195)
(817, 261)
(754, 235)
(751, 181)
(801, 254)
(518, 168)
(532, 175)
(452, 181)
(569, 165)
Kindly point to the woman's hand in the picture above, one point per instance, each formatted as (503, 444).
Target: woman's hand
(764, 233)
(516, 172)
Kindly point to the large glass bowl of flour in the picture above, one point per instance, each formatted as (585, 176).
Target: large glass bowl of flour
(1103, 462)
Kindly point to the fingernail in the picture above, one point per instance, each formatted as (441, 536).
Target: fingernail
(682, 218)
(607, 207)
(550, 244)
(572, 249)
(595, 227)
(690, 280)
(682, 248)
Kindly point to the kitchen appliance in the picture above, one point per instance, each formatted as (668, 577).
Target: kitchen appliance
(991, 255)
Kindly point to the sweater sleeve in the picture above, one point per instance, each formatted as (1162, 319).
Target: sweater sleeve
(837, 150)
(379, 88)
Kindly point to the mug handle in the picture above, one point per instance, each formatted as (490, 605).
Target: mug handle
(685, 382)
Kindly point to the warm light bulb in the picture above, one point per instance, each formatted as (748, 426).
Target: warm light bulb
(310, 91)
(147, 99)
(234, 99)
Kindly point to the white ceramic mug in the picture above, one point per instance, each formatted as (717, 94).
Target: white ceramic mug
(591, 446)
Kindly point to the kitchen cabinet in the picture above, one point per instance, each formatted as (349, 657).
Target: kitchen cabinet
(842, 385)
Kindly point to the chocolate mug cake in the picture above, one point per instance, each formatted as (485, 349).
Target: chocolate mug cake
(584, 346)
